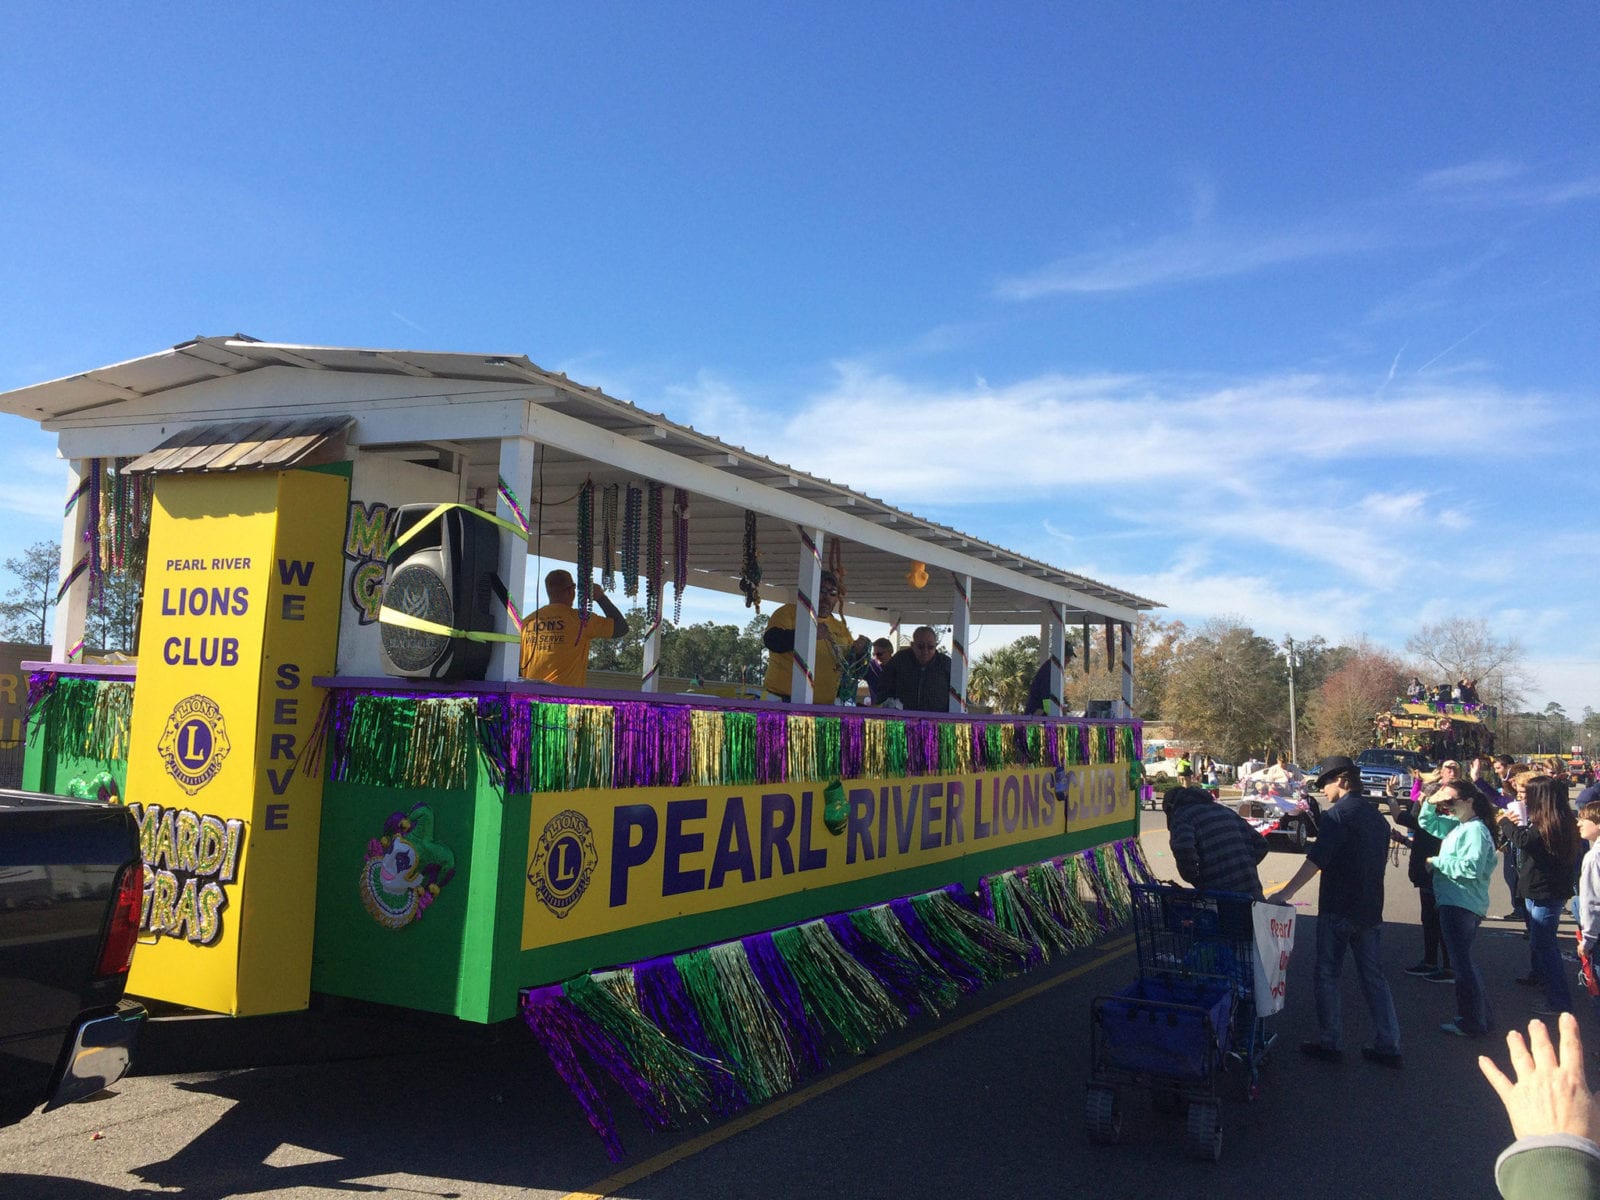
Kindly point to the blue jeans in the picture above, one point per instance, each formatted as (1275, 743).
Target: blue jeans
(1508, 871)
(1334, 934)
(1459, 926)
(1545, 953)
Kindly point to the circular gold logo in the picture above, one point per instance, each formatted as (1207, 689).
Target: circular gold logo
(563, 861)
(194, 742)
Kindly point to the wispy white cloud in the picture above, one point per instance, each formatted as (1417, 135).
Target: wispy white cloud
(1498, 182)
(1182, 257)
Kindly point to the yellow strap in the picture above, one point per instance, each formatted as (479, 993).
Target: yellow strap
(440, 509)
(393, 616)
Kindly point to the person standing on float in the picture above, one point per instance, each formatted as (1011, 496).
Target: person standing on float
(835, 647)
(555, 638)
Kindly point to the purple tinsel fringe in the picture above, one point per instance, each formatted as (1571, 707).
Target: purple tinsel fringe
(563, 1031)
(968, 979)
(663, 999)
(772, 747)
(805, 1036)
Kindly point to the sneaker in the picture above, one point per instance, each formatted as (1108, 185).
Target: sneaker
(1321, 1053)
(1443, 975)
(1384, 1058)
(1421, 968)
(1454, 1029)
(1510, 916)
(1529, 980)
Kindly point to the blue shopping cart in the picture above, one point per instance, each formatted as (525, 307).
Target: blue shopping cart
(1188, 1018)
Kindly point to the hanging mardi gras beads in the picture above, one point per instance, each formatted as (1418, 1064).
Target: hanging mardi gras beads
(585, 550)
(653, 588)
(680, 551)
(630, 540)
(608, 537)
(750, 570)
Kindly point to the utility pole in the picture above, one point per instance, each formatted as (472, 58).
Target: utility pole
(1294, 748)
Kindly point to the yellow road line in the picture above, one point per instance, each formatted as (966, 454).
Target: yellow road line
(749, 1120)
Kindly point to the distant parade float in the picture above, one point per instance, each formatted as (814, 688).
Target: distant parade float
(345, 787)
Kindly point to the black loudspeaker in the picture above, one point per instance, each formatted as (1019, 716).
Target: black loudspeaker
(443, 574)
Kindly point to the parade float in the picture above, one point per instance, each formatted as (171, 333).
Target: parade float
(1439, 729)
(345, 789)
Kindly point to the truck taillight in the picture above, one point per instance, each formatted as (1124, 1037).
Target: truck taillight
(117, 953)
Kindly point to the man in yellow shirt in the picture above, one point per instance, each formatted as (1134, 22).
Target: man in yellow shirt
(555, 643)
(835, 648)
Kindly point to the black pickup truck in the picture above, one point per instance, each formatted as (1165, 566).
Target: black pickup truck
(71, 886)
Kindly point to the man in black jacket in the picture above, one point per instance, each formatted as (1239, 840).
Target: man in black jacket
(918, 677)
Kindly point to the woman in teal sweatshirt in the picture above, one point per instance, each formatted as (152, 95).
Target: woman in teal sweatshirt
(1461, 873)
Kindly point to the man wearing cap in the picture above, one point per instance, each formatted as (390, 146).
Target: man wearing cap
(835, 648)
(1215, 848)
(1351, 850)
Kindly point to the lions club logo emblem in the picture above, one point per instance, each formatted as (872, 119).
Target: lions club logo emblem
(194, 743)
(563, 861)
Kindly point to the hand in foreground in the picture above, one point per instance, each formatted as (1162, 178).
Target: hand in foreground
(1551, 1094)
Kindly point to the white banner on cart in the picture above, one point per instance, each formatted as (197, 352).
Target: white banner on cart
(1274, 942)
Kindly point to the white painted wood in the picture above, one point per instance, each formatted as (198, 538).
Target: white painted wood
(1126, 709)
(72, 608)
(1055, 641)
(808, 584)
(516, 468)
(960, 639)
(377, 487)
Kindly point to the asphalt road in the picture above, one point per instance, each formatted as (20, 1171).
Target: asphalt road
(987, 1102)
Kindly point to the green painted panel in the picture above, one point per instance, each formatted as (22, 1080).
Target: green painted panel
(418, 965)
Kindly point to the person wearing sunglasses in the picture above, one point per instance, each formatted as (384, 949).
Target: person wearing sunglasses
(918, 677)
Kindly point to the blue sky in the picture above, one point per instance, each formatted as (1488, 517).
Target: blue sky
(1283, 312)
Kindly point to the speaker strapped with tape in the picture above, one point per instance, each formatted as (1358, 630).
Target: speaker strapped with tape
(439, 590)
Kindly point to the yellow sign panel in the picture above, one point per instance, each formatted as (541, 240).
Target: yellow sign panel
(606, 860)
(241, 609)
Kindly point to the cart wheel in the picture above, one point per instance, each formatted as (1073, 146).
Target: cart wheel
(1205, 1130)
(1299, 837)
(1101, 1117)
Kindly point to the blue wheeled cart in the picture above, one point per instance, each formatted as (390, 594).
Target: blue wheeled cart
(1188, 1018)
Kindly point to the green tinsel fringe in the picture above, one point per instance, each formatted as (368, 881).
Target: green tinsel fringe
(969, 937)
(1020, 911)
(547, 760)
(828, 753)
(895, 752)
(836, 987)
(739, 1018)
(676, 1074)
(90, 717)
(994, 746)
(378, 741)
(1057, 887)
(1111, 885)
(739, 747)
(936, 990)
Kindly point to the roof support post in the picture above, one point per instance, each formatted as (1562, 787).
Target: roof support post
(72, 608)
(1055, 641)
(652, 650)
(808, 587)
(1126, 708)
(516, 473)
(960, 631)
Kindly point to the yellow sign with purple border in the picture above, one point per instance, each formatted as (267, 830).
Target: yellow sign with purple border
(240, 611)
(602, 860)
